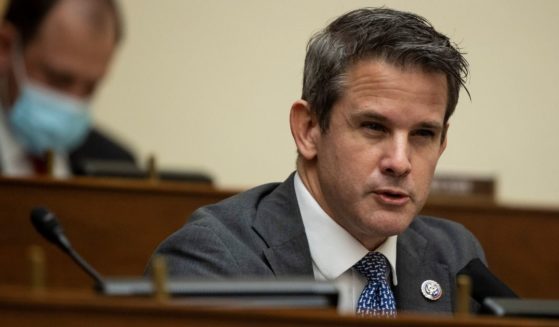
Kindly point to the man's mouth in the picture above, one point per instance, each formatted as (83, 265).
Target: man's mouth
(392, 197)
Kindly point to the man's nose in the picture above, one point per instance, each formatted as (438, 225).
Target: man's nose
(396, 160)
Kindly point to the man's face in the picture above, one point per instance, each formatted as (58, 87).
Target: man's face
(68, 54)
(375, 163)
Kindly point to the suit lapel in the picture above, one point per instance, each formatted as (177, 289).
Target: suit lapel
(278, 222)
(414, 266)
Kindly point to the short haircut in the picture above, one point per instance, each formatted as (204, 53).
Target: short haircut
(400, 38)
(28, 15)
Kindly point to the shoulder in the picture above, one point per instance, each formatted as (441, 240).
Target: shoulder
(240, 206)
(438, 228)
(447, 240)
(234, 216)
(99, 145)
(218, 240)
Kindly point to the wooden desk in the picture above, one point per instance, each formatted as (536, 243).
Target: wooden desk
(116, 225)
(62, 308)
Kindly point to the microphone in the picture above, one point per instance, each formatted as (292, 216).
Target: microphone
(46, 223)
(484, 283)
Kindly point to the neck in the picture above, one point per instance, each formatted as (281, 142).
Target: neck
(307, 173)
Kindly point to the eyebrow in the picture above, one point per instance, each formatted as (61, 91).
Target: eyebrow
(429, 124)
(371, 115)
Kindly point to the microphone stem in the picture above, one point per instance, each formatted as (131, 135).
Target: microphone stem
(85, 266)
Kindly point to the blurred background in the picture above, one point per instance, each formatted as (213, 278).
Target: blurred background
(208, 84)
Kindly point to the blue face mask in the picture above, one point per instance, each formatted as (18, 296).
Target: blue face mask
(43, 119)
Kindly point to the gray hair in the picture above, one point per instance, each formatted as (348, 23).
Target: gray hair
(399, 38)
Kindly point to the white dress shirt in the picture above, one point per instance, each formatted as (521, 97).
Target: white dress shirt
(334, 251)
(14, 161)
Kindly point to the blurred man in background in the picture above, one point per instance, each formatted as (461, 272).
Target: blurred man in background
(53, 55)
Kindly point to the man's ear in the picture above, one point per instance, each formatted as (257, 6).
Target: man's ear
(304, 128)
(8, 35)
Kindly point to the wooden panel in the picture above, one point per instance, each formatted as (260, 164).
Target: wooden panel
(116, 225)
(113, 224)
(520, 244)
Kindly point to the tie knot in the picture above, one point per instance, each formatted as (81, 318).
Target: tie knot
(373, 266)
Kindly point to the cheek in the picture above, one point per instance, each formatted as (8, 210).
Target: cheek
(341, 174)
(356, 165)
(424, 170)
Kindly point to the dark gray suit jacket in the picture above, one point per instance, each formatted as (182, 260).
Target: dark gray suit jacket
(260, 233)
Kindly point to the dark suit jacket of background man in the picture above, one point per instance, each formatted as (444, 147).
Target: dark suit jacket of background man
(98, 146)
(260, 233)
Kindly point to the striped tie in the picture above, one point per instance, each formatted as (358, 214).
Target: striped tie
(377, 298)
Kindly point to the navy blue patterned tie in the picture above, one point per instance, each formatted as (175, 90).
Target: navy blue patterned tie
(377, 298)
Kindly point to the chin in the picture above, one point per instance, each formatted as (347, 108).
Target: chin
(389, 225)
(388, 231)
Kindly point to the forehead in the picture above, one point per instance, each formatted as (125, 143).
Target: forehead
(68, 41)
(374, 82)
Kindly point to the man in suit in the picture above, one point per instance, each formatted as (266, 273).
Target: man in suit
(379, 87)
(53, 55)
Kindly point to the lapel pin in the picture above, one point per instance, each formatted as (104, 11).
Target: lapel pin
(431, 290)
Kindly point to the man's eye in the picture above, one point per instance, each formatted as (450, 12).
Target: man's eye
(59, 80)
(425, 133)
(374, 127)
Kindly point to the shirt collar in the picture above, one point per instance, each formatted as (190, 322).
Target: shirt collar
(329, 240)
